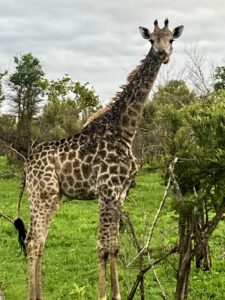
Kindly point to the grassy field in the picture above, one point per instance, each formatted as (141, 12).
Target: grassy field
(70, 264)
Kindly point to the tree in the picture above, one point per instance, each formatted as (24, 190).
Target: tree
(27, 85)
(154, 129)
(1, 90)
(7, 132)
(219, 78)
(197, 138)
(68, 106)
(175, 93)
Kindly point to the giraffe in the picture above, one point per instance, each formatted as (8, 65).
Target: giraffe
(96, 163)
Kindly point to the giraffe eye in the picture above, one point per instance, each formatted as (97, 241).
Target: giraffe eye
(171, 41)
(151, 41)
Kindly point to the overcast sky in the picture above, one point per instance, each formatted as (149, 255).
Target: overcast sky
(98, 41)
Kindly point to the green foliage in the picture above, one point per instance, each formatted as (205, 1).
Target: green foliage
(197, 137)
(2, 96)
(219, 78)
(160, 120)
(27, 86)
(80, 96)
(175, 93)
(7, 171)
(68, 106)
(8, 130)
(27, 83)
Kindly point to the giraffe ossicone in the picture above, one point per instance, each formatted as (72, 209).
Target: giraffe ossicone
(96, 163)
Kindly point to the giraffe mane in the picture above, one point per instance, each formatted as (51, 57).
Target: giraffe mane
(98, 113)
(134, 72)
(108, 106)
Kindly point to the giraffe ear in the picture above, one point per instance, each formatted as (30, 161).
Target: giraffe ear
(177, 31)
(145, 33)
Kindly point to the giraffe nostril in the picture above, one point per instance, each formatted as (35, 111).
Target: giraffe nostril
(162, 52)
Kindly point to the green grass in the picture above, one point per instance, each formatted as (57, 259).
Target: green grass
(70, 263)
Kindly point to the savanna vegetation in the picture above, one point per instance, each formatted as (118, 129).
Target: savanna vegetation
(70, 261)
(172, 241)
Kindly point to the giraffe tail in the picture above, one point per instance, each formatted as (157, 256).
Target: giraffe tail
(18, 223)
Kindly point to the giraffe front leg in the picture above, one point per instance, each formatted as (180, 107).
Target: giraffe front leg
(108, 246)
(108, 242)
(103, 249)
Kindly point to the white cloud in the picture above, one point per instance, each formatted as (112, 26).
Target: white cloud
(98, 41)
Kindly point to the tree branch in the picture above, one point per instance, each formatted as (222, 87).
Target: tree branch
(171, 168)
(18, 153)
(6, 217)
(146, 269)
(215, 220)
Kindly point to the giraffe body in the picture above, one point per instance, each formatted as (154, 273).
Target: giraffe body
(79, 168)
(96, 163)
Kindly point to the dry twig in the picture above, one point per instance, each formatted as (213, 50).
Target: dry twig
(6, 217)
(18, 153)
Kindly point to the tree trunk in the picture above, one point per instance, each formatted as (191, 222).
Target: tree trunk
(202, 252)
(142, 288)
(185, 250)
(198, 236)
(23, 137)
(207, 263)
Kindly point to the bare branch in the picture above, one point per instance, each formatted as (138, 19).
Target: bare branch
(146, 269)
(126, 216)
(195, 70)
(211, 226)
(18, 153)
(171, 168)
(6, 217)
(157, 279)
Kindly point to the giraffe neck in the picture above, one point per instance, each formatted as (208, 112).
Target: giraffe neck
(130, 102)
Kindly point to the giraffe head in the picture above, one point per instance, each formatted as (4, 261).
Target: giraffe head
(162, 39)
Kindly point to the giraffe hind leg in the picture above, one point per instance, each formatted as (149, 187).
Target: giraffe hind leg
(102, 276)
(35, 241)
(113, 253)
